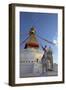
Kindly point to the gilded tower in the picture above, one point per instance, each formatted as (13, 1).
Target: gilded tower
(32, 41)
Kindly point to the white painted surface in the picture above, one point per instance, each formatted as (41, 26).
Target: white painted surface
(28, 61)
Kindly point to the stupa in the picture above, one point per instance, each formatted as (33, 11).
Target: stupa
(30, 56)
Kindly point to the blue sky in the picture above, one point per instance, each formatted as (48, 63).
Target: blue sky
(45, 25)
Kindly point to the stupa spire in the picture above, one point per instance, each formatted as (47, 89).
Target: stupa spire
(32, 41)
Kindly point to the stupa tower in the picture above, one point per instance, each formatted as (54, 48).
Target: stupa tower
(30, 56)
(32, 41)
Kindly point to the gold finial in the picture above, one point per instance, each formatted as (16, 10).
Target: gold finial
(32, 30)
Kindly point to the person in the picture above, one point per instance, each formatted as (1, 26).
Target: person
(44, 59)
